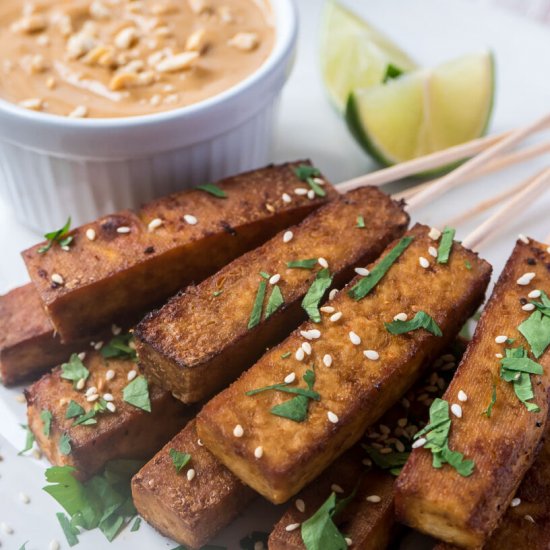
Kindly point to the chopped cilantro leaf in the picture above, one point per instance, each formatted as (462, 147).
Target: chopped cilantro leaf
(420, 320)
(361, 222)
(315, 294)
(265, 275)
(59, 236)
(64, 444)
(29, 440)
(213, 190)
(307, 173)
(536, 329)
(71, 533)
(73, 410)
(136, 525)
(392, 461)
(310, 263)
(120, 347)
(179, 459)
(296, 409)
(516, 368)
(366, 284)
(217, 293)
(445, 245)
(46, 417)
(489, 410)
(286, 355)
(136, 393)
(391, 72)
(74, 370)
(467, 265)
(256, 315)
(274, 302)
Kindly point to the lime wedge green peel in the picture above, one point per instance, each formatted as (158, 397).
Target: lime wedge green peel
(424, 111)
(354, 54)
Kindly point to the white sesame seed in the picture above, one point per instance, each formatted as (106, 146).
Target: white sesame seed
(399, 446)
(336, 316)
(57, 279)
(108, 397)
(462, 396)
(456, 409)
(116, 330)
(534, 294)
(312, 334)
(384, 429)
(300, 354)
(548, 250)
(322, 262)
(363, 271)
(499, 355)
(111, 407)
(8, 530)
(191, 220)
(354, 338)
(238, 431)
(327, 360)
(286, 198)
(191, 474)
(259, 452)
(98, 345)
(155, 224)
(374, 499)
(530, 518)
(400, 317)
(332, 417)
(274, 279)
(366, 462)
(526, 278)
(80, 384)
(292, 527)
(332, 294)
(24, 498)
(349, 542)
(402, 422)
(371, 354)
(109, 375)
(123, 230)
(423, 262)
(515, 502)
(501, 339)
(289, 378)
(132, 374)
(335, 488)
(54, 545)
(91, 391)
(300, 505)
(311, 194)
(93, 397)
(528, 307)
(523, 238)
(432, 251)
(434, 234)
(200, 443)
(90, 234)
(306, 346)
(420, 442)
(327, 309)
(287, 237)
(300, 191)
(405, 402)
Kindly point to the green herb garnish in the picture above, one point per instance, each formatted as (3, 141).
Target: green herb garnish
(393, 462)
(46, 417)
(536, 328)
(274, 302)
(217, 293)
(64, 444)
(315, 294)
(361, 222)
(489, 410)
(366, 284)
(256, 315)
(310, 263)
(420, 320)
(179, 459)
(437, 436)
(136, 393)
(516, 368)
(136, 525)
(120, 347)
(307, 173)
(29, 440)
(391, 72)
(213, 190)
(286, 355)
(544, 305)
(60, 237)
(265, 275)
(73, 410)
(71, 533)
(74, 370)
(445, 245)
(467, 265)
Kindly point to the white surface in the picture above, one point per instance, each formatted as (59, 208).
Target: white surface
(432, 31)
(98, 166)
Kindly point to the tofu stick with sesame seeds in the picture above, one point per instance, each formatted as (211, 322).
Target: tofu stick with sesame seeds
(358, 368)
(203, 338)
(116, 269)
(498, 403)
(56, 415)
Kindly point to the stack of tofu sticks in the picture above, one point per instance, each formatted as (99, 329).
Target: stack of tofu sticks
(314, 394)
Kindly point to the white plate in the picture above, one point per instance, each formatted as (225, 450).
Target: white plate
(432, 31)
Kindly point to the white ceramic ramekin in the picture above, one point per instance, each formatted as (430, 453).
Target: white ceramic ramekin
(52, 167)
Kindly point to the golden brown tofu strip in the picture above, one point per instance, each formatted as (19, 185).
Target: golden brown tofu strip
(355, 389)
(28, 343)
(128, 432)
(121, 266)
(200, 341)
(190, 511)
(465, 510)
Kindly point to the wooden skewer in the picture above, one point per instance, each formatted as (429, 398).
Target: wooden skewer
(469, 167)
(493, 166)
(487, 228)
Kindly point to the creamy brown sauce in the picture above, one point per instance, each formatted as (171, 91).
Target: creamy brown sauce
(117, 58)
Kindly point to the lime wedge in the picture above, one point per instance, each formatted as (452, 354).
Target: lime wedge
(354, 54)
(424, 111)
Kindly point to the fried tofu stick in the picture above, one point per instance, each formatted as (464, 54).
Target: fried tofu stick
(28, 343)
(121, 266)
(501, 439)
(120, 431)
(360, 369)
(201, 340)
